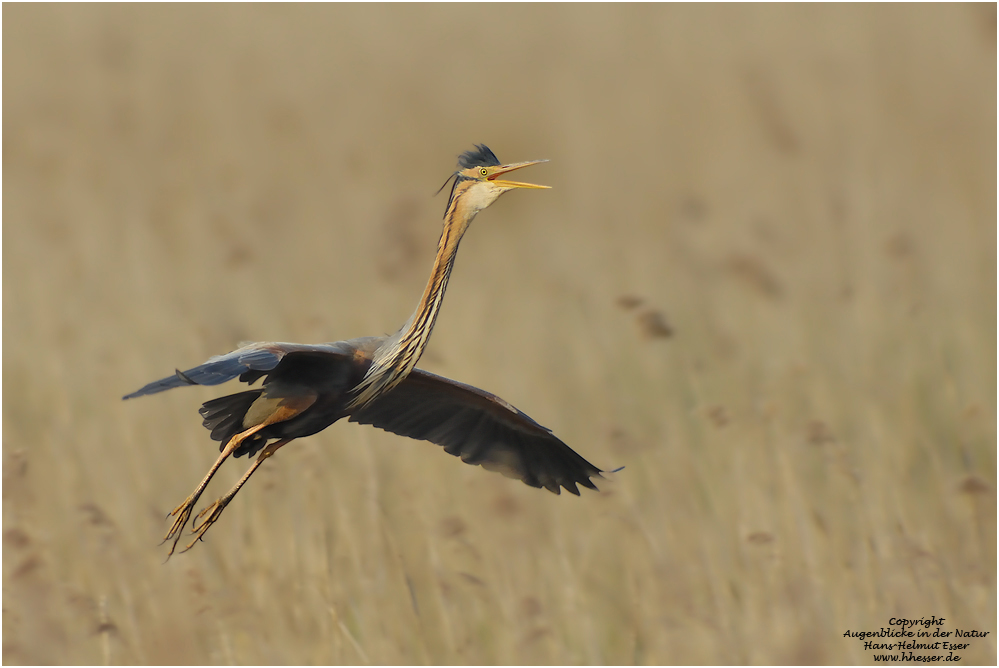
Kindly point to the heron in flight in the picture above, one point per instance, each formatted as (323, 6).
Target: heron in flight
(374, 380)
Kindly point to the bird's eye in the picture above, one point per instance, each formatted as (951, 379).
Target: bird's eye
(483, 171)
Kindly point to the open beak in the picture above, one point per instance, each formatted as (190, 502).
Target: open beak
(494, 177)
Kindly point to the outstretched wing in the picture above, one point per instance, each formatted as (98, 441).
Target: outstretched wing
(248, 363)
(480, 428)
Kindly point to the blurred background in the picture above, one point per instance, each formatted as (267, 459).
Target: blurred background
(764, 282)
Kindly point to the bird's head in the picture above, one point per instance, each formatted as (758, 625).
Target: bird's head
(478, 182)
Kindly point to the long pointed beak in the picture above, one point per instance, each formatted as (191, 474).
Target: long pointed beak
(511, 167)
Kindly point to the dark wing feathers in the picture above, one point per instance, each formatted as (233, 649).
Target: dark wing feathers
(470, 423)
(223, 417)
(480, 428)
(247, 363)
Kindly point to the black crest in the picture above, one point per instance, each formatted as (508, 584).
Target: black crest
(480, 157)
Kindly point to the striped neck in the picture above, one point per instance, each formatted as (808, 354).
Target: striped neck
(398, 355)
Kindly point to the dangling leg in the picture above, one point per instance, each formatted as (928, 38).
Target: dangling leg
(285, 409)
(217, 507)
(182, 513)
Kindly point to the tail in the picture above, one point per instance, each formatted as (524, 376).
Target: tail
(224, 418)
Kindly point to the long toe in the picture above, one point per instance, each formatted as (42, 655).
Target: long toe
(199, 530)
(214, 509)
(213, 513)
(178, 524)
(188, 502)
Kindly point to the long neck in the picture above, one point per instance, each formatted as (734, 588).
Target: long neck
(412, 338)
(398, 355)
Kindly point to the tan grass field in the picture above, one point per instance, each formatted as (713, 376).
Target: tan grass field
(764, 282)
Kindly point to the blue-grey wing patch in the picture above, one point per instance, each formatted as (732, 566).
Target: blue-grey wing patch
(248, 363)
(480, 428)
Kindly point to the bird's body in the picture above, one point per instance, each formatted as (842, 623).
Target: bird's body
(373, 380)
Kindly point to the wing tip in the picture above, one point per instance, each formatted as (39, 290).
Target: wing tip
(161, 385)
(586, 482)
(152, 388)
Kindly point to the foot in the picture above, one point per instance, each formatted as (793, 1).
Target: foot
(182, 514)
(213, 511)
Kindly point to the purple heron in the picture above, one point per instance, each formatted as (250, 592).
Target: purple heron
(373, 380)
